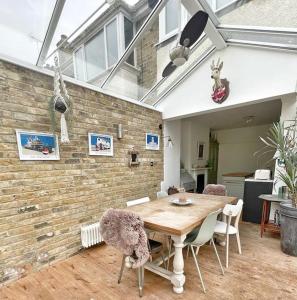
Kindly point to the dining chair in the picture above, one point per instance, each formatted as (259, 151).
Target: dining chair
(224, 228)
(212, 189)
(124, 231)
(161, 195)
(202, 236)
(215, 189)
(155, 247)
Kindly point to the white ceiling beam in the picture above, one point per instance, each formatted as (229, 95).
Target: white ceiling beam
(50, 31)
(192, 7)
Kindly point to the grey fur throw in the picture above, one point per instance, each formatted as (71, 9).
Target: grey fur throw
(124, 231)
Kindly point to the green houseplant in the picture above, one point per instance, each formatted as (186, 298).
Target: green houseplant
(283, 140)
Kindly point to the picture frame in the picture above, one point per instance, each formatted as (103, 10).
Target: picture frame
(152, 141)
(34, 145)
(100, 144)
(200, 150)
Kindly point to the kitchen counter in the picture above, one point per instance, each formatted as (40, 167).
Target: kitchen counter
(239, 174)
(259, 180)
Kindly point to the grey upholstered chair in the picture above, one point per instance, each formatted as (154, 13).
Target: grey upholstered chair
(215, 189)
(124, 231)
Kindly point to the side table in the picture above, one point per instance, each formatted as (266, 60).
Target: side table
(266, 224)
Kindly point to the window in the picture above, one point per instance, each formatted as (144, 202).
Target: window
(171, 16)
(95, 55)
(111, 43)
(128, 34)
(169, 19)
(102, 51)
(79, 64)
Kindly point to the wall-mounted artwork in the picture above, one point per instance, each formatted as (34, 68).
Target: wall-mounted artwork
(37, 145)
(152, 141)
(200, 150)
(100, 144)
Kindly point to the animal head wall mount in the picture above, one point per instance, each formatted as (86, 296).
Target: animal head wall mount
(221, 86)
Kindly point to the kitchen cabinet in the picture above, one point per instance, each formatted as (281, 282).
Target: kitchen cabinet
(234, 183)
(252, 205)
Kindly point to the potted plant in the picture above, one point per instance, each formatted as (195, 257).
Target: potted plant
(283, 140)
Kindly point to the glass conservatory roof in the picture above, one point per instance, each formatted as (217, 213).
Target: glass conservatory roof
(122, 46)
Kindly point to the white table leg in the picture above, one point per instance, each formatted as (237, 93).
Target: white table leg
(178, 278)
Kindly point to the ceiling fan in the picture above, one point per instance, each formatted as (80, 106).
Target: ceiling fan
(190, 34)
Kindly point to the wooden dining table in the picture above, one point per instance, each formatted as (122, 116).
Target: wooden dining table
(177, 221)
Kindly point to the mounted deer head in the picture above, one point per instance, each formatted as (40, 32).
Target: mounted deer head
(216, 69)
(221, 86)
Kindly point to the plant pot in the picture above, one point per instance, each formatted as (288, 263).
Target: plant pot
(288, 220)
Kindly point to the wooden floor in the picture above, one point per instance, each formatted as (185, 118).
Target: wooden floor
(261, 272)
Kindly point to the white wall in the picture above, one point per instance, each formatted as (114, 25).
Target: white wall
(193, 132)
(237, 147)
(288, 113)
(171, 155)
(254, 74)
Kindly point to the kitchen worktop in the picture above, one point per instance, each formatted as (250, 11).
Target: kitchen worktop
(238, 174)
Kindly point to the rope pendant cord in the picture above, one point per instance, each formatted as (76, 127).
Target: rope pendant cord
(63, 100)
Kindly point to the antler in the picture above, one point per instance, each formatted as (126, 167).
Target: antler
(212, 65)
(218, 63)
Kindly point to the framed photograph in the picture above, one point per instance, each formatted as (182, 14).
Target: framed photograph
(37, 145)
(152, 141)
(100, 144)
(200, 150)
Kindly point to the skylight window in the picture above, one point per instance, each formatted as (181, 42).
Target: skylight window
(23, 27)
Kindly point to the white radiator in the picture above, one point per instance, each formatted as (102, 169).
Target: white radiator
(90, 235)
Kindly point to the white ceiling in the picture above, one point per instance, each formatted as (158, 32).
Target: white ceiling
(263, 113)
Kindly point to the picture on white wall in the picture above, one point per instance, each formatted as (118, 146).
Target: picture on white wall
(37, 145)
(200, 150)
(152, 141)
(100, 144)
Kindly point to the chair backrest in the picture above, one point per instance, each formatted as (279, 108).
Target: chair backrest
(207, 228)
(215, 189)
(233, 211)
(138, 201)
(161, 194)
(124, 230)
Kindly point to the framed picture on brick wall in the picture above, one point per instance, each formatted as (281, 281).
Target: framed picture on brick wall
(34, 145)
(100, 144)
(152, 141)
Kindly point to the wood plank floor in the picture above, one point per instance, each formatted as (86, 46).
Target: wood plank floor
(261, 272)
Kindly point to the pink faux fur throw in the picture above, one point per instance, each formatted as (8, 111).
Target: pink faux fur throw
(124, 231)
(215, 189)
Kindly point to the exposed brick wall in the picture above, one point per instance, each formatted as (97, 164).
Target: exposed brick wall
(147, 57)
(75, 190)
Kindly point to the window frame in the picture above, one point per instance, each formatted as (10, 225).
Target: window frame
(182, 15)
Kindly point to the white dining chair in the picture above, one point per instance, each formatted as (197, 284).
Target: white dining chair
(161, 195)
(225, 228)
(202, 236)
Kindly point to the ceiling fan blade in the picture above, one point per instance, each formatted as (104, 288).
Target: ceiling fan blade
(169, 69)
(193, 29)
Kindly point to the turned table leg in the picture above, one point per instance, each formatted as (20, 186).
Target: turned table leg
(178, 277)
